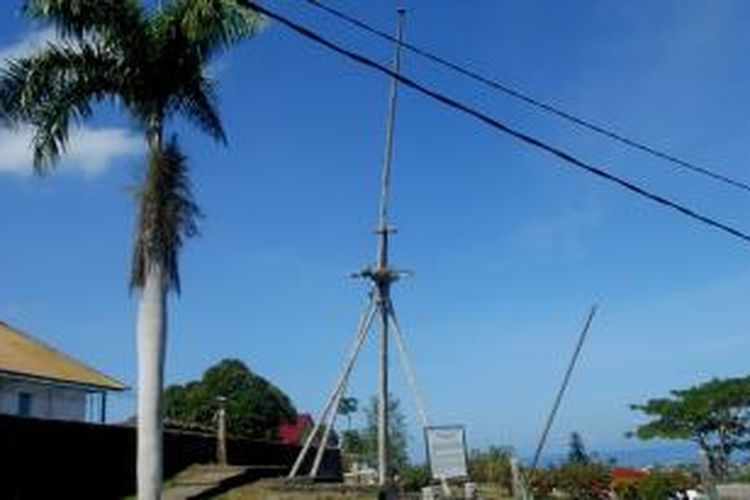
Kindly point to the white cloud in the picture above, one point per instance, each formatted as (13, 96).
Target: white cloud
(89, 150)
(30, 43)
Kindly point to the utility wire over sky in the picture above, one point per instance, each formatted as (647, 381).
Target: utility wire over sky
(498, 125)
(533, 101)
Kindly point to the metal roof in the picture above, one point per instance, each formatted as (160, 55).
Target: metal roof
(23, 355)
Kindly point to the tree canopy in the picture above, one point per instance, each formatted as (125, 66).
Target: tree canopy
(577, 451)
(361, 445)
(714, 415)
(397, 437)
(254, 406)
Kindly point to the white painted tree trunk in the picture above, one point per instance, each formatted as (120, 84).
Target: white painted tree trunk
(152, 340)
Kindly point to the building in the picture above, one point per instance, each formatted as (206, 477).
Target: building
(39, 381)
(628, 474)
(294, 431)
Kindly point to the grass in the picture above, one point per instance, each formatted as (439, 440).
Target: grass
(271, 489)
(280, 490)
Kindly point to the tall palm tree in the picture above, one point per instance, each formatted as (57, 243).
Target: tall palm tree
(347, 406)
(153, 64)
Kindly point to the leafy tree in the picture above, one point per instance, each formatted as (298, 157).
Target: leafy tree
(714, 415)
(254, 406)
(577, 452)
(152, 63)
(397, 437)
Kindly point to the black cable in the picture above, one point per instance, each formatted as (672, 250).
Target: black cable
(495, 84)
(492, 122)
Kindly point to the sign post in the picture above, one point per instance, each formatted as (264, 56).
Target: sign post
(446, 451)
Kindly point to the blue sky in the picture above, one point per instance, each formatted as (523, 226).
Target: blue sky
(509, 246)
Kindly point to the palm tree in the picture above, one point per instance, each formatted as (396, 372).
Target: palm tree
(153, 64)
(347, 406)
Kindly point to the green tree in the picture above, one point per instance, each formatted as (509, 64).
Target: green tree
(254, 406)
(152, 63)
(714, 415)
(577, 451)
(397, 436)
(352, 442)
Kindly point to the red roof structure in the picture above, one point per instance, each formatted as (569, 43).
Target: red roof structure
(627, 473)
(293, 431)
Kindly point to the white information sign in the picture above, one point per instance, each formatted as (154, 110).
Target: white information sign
(446, 451)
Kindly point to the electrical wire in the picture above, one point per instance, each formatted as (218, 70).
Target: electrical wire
(496, 124)
(537, 103)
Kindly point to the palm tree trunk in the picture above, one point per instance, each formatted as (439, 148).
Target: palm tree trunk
(152, 333)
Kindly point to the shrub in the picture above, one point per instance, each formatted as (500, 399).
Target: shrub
(660, 484)
(627, 488)
(491, 466)
(583, 481)
(414, 477)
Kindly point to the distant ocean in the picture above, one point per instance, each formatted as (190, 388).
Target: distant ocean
(664, 455)
(658, 455)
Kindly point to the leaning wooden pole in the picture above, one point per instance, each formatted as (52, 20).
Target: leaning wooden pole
(361, 335)
(561, 392)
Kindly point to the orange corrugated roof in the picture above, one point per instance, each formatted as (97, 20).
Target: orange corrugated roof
(22, 354)
(627, 473)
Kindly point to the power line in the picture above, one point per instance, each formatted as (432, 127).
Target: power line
(508, 90)
(494, 123)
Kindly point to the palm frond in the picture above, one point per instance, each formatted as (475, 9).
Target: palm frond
(181, 87)
(168, 215)
(212, 25)
(76, 18)
(50, 89)
(196, 101)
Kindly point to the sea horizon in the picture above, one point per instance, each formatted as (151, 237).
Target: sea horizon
(664, 455)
